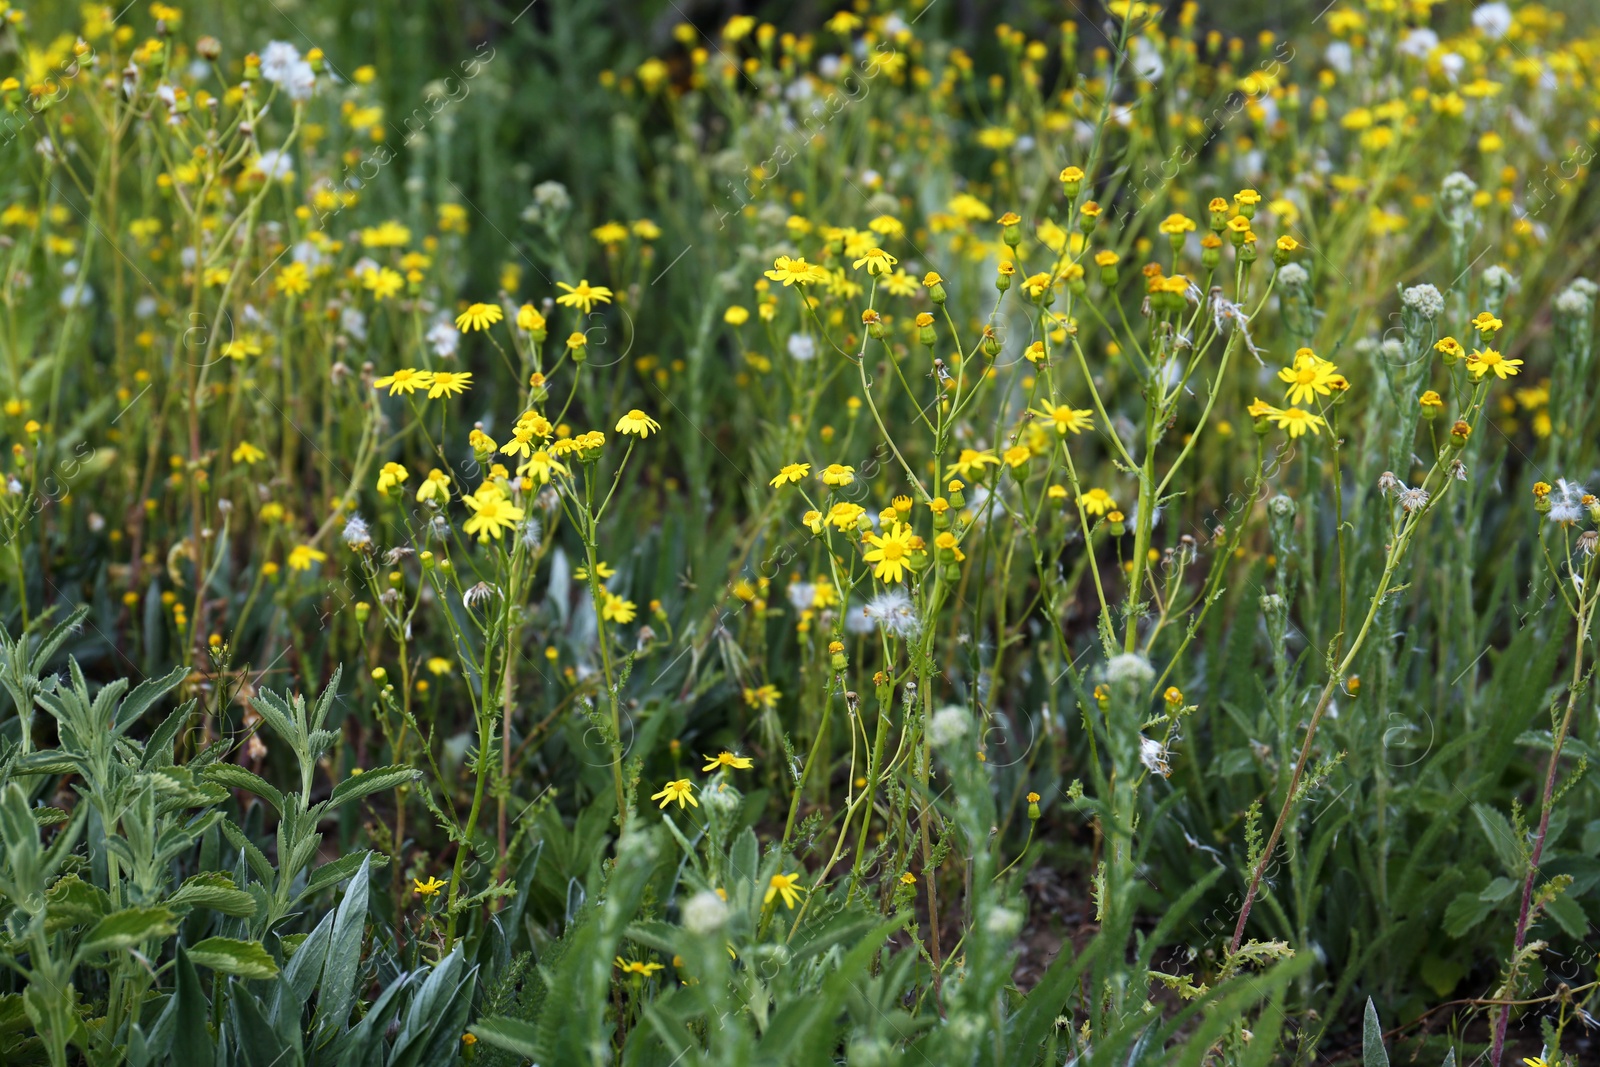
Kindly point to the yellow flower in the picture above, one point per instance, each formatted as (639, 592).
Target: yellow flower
(1066, 418)
(786, 884)
(479, 317)
(971, 460)
(1308, 377)
(763, 696)
(877, 261)
(430, 888)
(301, 557)
(391, 476)
(947, 540)
(383, 282)
(583, 295)
(492, 513)
(1296, 421)
(1097, 502)
(617, 610)
(736, 315)
(644, 970)
(796, 271)
(1431, 399)
(636, 421)
(1449, 346)
(449, 383)
(248, 453)
(791, 472)
(844, 514)
(1176, 225)
(1489, 359)
(1486, 323)
(541, 466)
(890, 553)
(727, 759)
(435, 486)
(602, 568)
(529, 319)
(681, 790)
(1017, 455)
(242, 347)
(292, 280)
(838, 474)
(407, 381)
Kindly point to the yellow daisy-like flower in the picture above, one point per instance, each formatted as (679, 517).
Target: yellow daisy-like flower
(449, 383)
(602, 568)
(407, 380)
(763, 696)
(636, 421)
(492, 513)
(1176, 225)
(727, 759)
(436, 486)
(248, 453)
(1097, 502)
(384, 282)
(1488, 359)
(796, 272)
(1296, 421)
(838, 474)
(1486, 323)
(430, 888)
(644, 970)
(1449, 346)
(529, 319)
(877, 261)
(1066, 418)
(681, 791)
(973, 460)
(890, 553)
(616, 609)
(788, 885)
(791, 472)
(301, 557)
(541, 466)
(479, 317)
(391, 476)
(843, 515)
(1017, 455)
(583, 295)
(1308, 377)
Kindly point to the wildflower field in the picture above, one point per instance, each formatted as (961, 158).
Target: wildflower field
(908, 533)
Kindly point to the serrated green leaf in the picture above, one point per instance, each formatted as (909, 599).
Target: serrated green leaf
(234, 776)
(227, 955)
(368, 782)
(127, 928)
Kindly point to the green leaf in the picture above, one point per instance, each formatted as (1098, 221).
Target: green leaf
(236, 777)
(338, 987)
(336, 871)
(216, 892)
(127, 928)
(1502, 839)
(1373, 1053)
(1568, 914)
(368, 782)
(1465, 911)
(74, 902)
(226, 955)
(136, 703)
(191, 1040)
(513, 1035)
